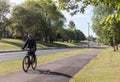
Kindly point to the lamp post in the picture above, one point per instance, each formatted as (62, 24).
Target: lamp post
(88, 33)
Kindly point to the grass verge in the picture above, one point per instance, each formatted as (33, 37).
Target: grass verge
(16, 44)
(104, 68)
(16, 65)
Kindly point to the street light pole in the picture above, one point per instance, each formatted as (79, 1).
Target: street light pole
(88, 33)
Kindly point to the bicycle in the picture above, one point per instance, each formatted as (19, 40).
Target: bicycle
(29, 60)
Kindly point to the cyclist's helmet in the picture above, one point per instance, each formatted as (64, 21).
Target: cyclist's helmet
(30, 35)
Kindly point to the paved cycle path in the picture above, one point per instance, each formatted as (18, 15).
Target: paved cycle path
(59, 71)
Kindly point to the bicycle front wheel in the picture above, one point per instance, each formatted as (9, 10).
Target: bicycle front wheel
(34, 62)
(26, 63)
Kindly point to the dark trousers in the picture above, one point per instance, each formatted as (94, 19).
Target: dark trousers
(31, 53)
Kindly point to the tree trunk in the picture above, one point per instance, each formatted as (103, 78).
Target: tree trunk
(0, 35)
(114, 47)
(22, 35)
(51, 39)
(117, 48)
(46, 38)
(114, 43)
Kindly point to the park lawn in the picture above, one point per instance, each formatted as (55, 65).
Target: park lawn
(16, 44)
(10, 44)
(7, 67)
(104, 68)
(8, 47)
(67, 44)
(59, 44)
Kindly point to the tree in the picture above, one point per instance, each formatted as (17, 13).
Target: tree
(91, 38)
(71, 35)
(37, 17)
(53, 22)
(22, 20)
(73, 5)
(107, 32)
(4, 10)
(101, 31)
(110, 18)
(72, 25)
(79, 36)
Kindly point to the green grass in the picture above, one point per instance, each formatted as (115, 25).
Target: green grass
(16, 65)
(10, 44)
(104, 68)
(16, 44)
(67, 44)
(58, 44)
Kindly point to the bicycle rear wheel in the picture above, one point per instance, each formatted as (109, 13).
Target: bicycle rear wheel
(34, 62)
(26, 63)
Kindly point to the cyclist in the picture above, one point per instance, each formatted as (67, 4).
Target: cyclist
(31, 44)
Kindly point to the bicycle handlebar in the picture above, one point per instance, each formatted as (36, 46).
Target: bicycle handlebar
(26, 49)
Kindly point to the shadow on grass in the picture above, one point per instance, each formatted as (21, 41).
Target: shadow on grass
(58, 45)
(12, 43)
(42, 44)
(48, 72)
(54, 45)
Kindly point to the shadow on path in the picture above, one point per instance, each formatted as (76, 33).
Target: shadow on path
(48, 72)
(100, 47)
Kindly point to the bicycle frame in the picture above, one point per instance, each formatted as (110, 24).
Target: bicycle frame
(29, 60)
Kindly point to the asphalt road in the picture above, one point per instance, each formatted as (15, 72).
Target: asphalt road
(18, 55)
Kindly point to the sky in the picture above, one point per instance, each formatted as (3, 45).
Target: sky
(81, 20)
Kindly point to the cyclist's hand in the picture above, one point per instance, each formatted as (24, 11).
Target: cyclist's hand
(22, 49)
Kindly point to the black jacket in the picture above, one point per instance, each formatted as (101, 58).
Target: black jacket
(30, 44)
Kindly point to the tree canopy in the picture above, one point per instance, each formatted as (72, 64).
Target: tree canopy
(108, 32)
(4, 10)
(106, 19)
(44, 20)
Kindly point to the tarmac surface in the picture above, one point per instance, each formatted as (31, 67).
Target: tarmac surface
(7, 56)
(58, 71)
